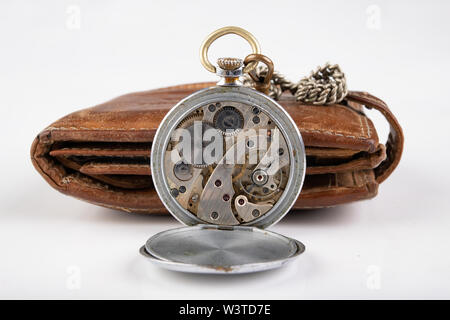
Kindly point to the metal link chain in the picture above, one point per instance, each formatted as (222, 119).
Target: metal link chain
(326, 85)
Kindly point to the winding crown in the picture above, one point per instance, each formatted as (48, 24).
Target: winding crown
(230, 63)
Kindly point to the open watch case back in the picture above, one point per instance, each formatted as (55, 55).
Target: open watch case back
(228, 162)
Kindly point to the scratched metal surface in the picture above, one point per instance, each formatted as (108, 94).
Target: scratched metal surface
(214, 249)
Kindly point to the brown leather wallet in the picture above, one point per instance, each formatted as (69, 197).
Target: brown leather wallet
(101, 154)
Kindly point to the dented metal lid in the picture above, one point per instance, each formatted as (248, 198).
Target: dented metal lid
(218, 249)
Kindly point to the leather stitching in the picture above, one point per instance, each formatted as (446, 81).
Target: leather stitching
(340, 134)
(333, 133)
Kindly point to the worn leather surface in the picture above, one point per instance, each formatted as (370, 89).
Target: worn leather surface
(101, 154)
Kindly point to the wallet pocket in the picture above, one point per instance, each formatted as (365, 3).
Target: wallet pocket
(126, 164)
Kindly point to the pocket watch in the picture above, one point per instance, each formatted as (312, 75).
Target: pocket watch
(227, 162)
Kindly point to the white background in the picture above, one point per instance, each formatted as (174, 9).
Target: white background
(60, 56)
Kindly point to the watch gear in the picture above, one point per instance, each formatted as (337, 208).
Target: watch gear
(228, 120)
(189, 124)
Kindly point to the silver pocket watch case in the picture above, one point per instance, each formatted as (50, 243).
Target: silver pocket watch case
(227, 162)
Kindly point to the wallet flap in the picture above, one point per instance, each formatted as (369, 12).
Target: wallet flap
(135, 117)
